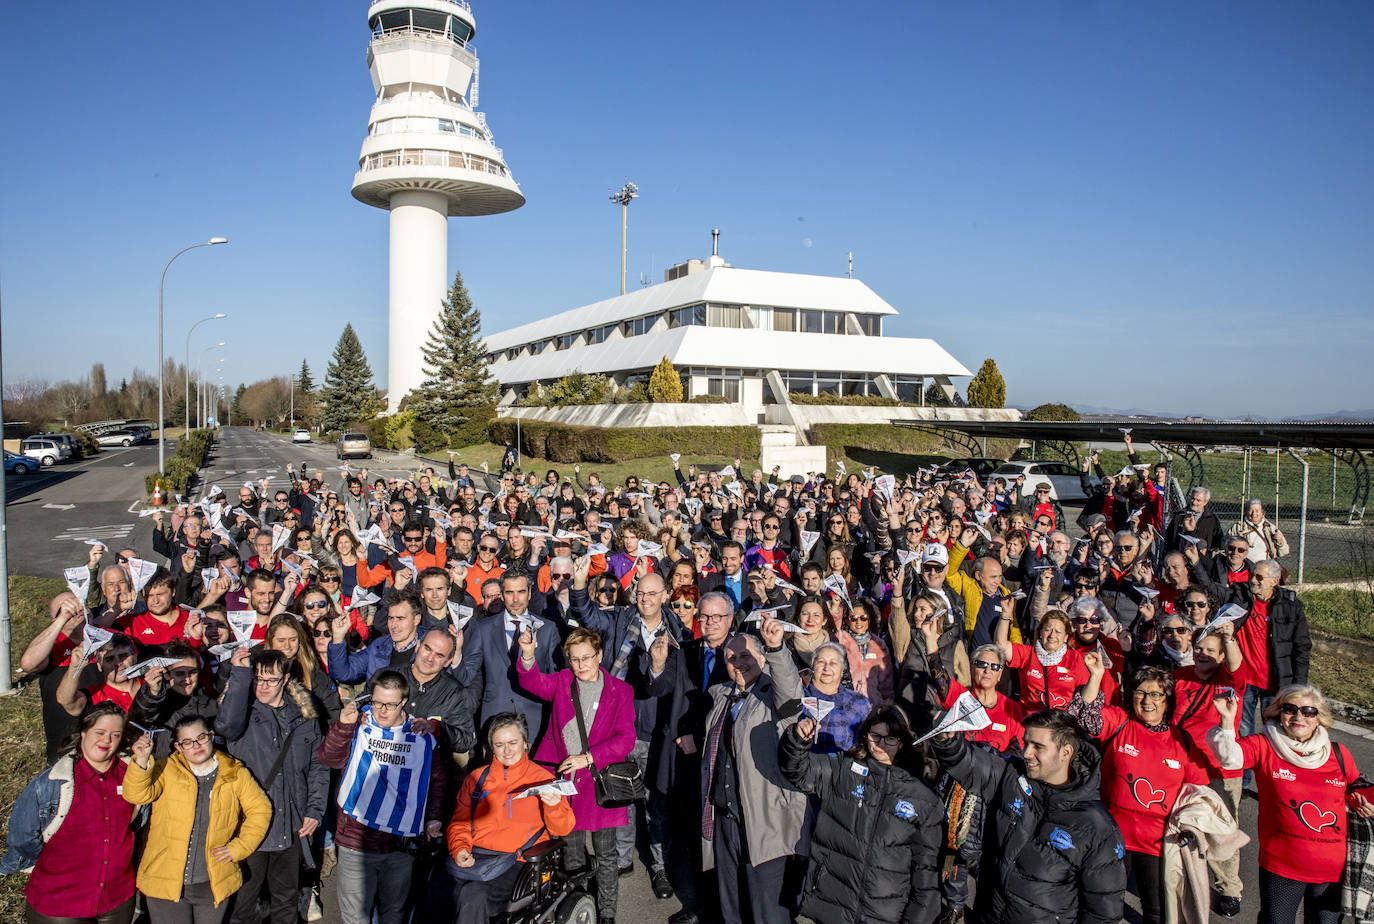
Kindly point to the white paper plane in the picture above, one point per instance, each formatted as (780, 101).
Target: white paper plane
(142, 667)
(967, 714)
(141, 571)
(79, 580)
(816, 707)
(242, 622)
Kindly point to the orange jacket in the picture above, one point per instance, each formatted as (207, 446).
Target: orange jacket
(477, 576)
(504, 823)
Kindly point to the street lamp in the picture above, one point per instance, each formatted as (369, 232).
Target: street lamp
(213, 317)
(200, 382)
(161, 416)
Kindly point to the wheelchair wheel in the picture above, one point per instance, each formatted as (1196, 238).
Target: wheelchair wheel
(577, 908)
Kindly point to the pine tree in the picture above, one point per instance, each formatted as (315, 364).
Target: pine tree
(987, 388)
(304, 382)
(348, 394)
(664, 384)
(457, 385)
(936, 397)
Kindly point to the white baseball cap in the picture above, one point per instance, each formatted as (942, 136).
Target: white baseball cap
(935, 552)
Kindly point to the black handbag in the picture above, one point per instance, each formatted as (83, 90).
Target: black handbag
(617, 785)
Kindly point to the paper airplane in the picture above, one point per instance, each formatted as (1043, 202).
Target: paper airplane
(885, 485)
(280, 536)
(967, 714)
(835, 584)
(1228, 613)
(907, 557)
(1126, 472)
(646, 547)
(142, 667)
(94, 638)
(808, 540)
(982, 516)
(291, 566)
(816, 707)
(557, 787)
(79, 580)
(597, 548)
(147, 513)
(1149, 593)
(242, 622)
(406, 561)
(675, 456)
(534, 532)
(141, 571)
(1125, 431)
(786, 585)
(361, 598)
(773, 612)
(839, 466)
(226, 651)
(727, 472)
(1190, 540)
(208, 575)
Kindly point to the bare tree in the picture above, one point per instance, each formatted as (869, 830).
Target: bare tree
(25, 389)
(97, 380)
(72, 398)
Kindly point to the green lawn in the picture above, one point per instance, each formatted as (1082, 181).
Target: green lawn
(659, 469)
(21, 723)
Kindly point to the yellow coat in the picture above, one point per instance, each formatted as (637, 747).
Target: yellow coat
(972, 592)
(239, 815)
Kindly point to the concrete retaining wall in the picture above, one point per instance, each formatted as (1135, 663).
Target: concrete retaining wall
(638, 415)
(805, 416)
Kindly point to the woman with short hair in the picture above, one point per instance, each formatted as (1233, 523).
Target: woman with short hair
(597, 728)
(1049, 670)
(1303, 780)
(74, 832)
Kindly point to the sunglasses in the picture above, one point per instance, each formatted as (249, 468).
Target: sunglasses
(493, 549)
(559, 577)
(329, 579)
(988, 666)
(683, 605)
(321, 633)
(1235, 550)
(933, 566)
(1177, 630)
(414, 540)
(1087, 621)
(1292, 709)
(316, 605)
(1195, 604)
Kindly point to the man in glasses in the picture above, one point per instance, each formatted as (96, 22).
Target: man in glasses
(170, 692)
(1273, 636)
(1225, 569)
(486, 567)
(770, 550)
(269, 723)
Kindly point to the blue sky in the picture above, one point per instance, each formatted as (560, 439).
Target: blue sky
(1168, 206)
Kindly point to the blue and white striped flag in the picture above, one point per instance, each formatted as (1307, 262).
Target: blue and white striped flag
(386, 780)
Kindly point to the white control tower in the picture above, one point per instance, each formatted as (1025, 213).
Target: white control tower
(428, 155)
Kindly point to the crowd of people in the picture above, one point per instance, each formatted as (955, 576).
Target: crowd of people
(850, 699)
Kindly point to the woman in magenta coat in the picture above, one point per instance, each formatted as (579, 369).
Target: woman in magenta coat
(607, 706)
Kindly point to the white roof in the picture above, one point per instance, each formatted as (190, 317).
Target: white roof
(722, 285)
(737, 348)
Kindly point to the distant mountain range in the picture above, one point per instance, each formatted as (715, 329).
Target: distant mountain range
(1089, 409)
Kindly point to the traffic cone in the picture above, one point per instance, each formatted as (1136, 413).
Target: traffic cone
(157, 493)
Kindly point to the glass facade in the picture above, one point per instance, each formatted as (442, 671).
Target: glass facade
(425, 124)
(428, 22)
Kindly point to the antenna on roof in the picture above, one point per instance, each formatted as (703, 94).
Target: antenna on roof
(851, 264)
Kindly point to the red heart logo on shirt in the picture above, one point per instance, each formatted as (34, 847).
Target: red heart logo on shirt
(1145, 793)
(1316, 819)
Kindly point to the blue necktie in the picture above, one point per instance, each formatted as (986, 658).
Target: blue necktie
(708, 663)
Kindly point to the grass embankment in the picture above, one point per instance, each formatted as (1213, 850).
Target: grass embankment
(21, 722)
(657, 468)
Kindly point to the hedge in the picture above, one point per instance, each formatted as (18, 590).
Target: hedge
(830, 400)
(839, 438)
(559, 442)
(181, 468)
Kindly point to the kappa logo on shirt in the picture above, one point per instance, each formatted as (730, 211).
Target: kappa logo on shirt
(149, 631)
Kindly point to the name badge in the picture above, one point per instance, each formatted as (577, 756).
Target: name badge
(858, 768)
(998, 726)
(870, 656)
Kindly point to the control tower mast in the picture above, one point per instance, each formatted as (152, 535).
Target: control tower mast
(428, 155)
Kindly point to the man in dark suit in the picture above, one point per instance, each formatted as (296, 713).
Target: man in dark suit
(730, 579)
(489, 651)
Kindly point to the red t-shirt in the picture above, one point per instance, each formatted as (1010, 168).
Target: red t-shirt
(1142, 773)
(1253, 639)
(1196, 714)
(108, 694)
(1301, 812)
(1060, 680)
(1006, 716)
(1111, 678)
(147, 629)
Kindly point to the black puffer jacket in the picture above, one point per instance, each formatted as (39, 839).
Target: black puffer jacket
(1050, 853)
(1290, 640)
(875, 852)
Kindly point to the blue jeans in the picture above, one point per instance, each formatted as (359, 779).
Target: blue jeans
(1251, 709)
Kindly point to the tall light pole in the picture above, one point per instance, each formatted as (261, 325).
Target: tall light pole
(213, 317)
(200, 382)
(627, 193)
(161, 415)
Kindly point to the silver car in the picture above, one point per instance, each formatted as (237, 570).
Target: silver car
(355, 445)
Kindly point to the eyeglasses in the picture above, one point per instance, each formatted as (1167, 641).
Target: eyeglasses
(413, 540)
(184, 673)
(933, 566)
(188, 743)
(1292, 709)
(1126, 548)
(885, 741)
(770, 526)
(1195, 604)
(1153, 696)
(1087, 620)
(858, 617)
(559, 577)
(988, 666)
(389, 707)
(1177, 630)
(1235, 550)
(269, 681)
(398, 509)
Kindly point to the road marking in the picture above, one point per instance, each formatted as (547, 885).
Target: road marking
(133, 508)
(80, 533)
(58, 506)
(1354, 730)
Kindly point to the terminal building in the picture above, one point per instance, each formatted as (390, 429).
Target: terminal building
(752, 337)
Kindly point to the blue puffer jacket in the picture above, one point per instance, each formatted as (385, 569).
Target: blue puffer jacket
(39, 812)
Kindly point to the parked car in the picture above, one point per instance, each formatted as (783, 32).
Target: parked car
(121, 437)
(982, 467)
(301, 435)
(44, 451)
(65, 441)
(16, 464)
(1060, 476)
(353, 445)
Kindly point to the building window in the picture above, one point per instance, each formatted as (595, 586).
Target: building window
(827, 384)
(784, 319)
(600, 334)
(908, 387)
(691, 316)
(834, 322)
(637, 326)
(871, 324)
(759, 318)
(800, 383)
(722, 316)
(565, 341)
(810, 321)
(724, 383)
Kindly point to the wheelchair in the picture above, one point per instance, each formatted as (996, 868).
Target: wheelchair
(544, 892)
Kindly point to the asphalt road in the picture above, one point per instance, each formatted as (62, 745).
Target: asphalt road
(105, 493)
(50, 512)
